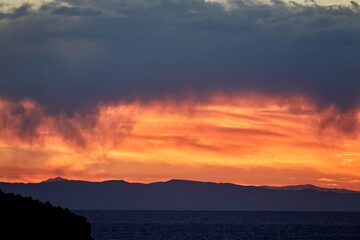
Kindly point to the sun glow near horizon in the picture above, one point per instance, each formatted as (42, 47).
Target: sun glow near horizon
(250, 140)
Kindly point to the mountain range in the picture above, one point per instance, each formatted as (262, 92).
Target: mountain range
(185, 195)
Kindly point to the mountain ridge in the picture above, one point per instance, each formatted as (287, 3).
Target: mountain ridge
(286, 187)
(181, 195)
(185, 181)
(309, 186)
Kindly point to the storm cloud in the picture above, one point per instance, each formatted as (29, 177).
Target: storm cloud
(76, 54)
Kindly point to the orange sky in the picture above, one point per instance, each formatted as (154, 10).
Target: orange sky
(250, 140)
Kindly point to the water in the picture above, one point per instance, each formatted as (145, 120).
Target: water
(209, 225)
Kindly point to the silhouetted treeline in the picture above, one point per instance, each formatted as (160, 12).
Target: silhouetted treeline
(25, 218)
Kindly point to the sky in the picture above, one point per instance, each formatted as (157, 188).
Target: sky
(241, 91)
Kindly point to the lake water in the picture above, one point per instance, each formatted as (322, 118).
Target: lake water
(222, 225)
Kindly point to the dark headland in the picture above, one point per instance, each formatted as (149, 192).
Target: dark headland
(25, 218)
(185, 195)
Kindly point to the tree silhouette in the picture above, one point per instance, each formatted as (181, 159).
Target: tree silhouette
(24, 218)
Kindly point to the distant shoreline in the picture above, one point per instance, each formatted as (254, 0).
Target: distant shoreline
(186, 195)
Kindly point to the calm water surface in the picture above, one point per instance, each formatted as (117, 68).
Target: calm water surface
(222, 225)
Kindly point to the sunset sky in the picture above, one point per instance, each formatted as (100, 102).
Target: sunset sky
(248, 92)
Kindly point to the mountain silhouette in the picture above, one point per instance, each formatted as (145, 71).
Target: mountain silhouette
(24, 218)
(309, 186)
(183, 195)
(57, 179)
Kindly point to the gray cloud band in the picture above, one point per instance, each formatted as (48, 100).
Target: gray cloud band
(73, 56)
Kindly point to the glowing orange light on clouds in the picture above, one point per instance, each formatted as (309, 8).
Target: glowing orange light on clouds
(251, 140)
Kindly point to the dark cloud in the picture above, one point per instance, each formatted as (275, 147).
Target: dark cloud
(345, 122)
(84, 53)
(21, 121)
(23, 10)
(76, 11)
(354, 4)
(26, 122)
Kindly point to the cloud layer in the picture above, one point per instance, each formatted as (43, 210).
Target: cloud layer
(72, 55)
(242, 140)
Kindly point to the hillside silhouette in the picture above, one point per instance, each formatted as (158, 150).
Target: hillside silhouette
(25, 218)
(182, 195)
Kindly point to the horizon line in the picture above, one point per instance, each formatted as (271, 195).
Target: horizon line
(59, 179)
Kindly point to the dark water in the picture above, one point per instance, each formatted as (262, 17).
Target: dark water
(222, 225)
